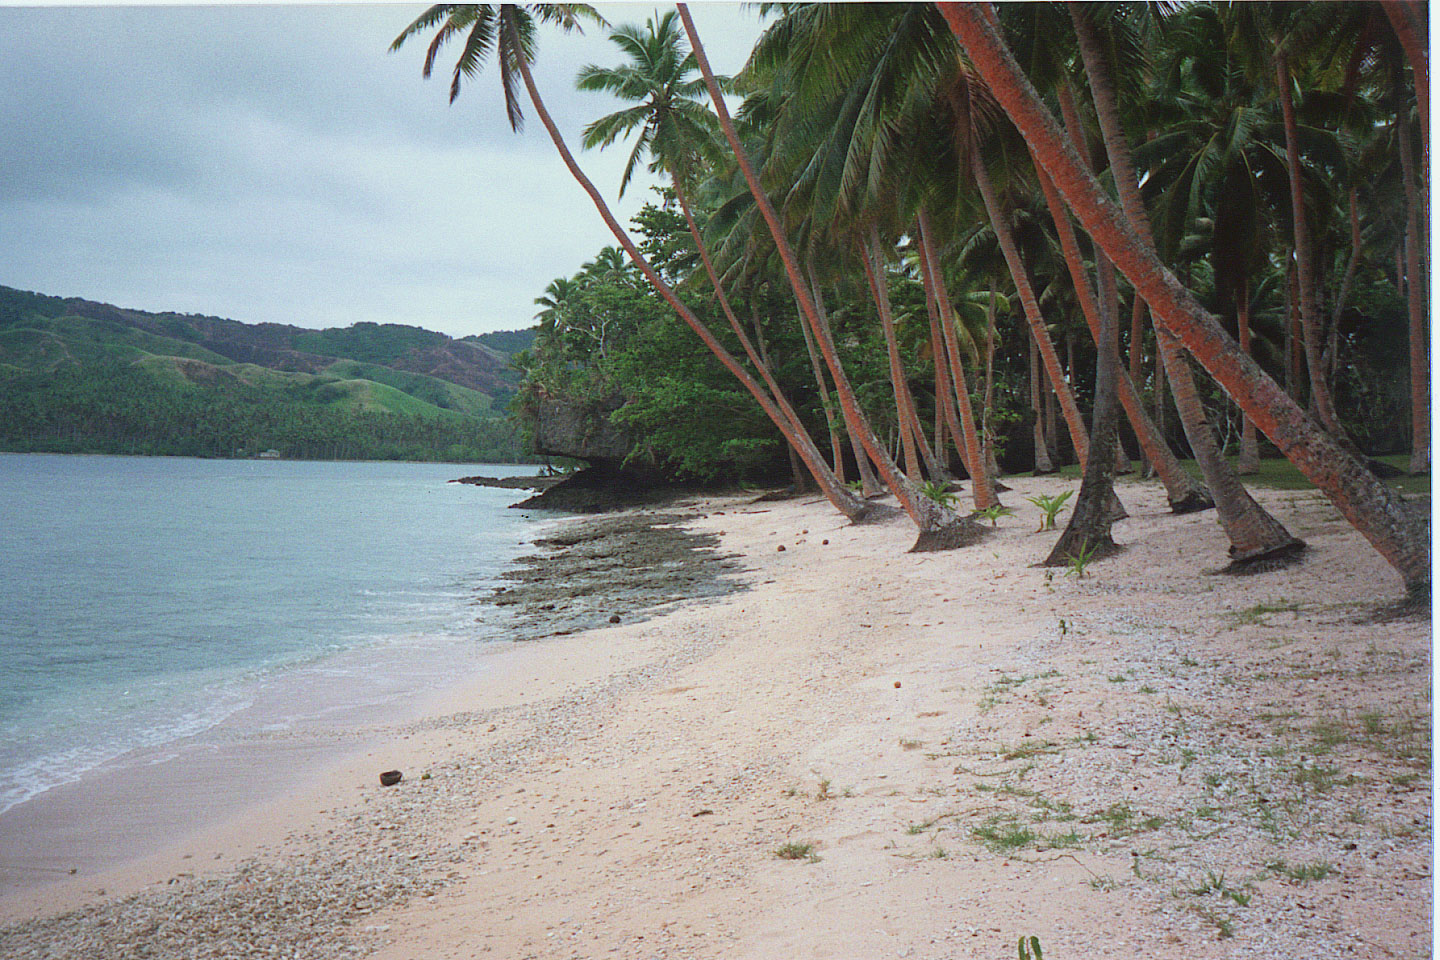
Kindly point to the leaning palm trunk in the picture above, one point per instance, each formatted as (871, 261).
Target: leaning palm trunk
(1249, 461)
(1087, 535)
(851, 506)
(1304, 263)
(836, 453)
(981, 489)
(903, 400)
(1183, 493)
(1397, 532)
(1256, 538)
(946, 391)
(939, 527)
(1001, 225)
(1415, 286)
(1042, 446)
(870, 485)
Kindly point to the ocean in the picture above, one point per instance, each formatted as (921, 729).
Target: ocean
(145, 601)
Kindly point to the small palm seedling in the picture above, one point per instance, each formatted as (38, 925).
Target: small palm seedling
(1081, 559)
(995, 512)
(856, 487)
(939, 492)
(1030, 949)
(1049, 507)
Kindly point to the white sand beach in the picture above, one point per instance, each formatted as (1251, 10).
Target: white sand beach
(952, 749)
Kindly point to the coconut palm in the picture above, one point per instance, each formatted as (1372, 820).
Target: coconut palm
(508, 29)
(1375, 509)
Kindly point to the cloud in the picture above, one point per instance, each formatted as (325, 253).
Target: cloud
(277, 164)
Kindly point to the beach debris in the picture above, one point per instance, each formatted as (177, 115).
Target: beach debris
(614, 618)
(391, 777)
(897, 684)
(780, 549)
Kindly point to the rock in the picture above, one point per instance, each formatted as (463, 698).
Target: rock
(897, 684)
(614, 618)
(391, 777)
(780, 549)
(824, 543)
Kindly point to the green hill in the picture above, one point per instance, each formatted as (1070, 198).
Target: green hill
(79, 376)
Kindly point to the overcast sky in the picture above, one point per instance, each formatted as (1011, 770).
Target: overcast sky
(276, 164)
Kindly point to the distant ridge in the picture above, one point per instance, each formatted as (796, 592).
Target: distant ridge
(81, 375)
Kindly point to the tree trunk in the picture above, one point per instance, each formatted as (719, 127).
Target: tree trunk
(1254, 535)
(981, 489)
(1087, 535)
(1249, 447)
(1181, 490)
(1304, 259)
(1410, 30)
(1399, 534)
(939, 527)
(987, 433)
(851, 506)
(836, 452)
(870, 485)
(1416, 284)
(945, 389)
(1001, 225)
(904, 410)
(1042, 450)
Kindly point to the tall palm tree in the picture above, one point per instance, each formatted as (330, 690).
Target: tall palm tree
(1376, 510)
(509, 29)
(939, 527)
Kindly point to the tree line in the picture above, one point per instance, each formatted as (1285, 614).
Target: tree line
(1240, 183)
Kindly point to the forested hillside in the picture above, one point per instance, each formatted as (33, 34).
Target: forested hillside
(80, 376)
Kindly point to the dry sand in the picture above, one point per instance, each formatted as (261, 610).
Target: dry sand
(959, 749)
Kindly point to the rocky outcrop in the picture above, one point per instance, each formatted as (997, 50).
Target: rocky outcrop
(583, 433)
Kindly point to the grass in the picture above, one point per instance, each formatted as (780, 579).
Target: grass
(1002, 835)
(798, 850)
(1256, 614)
(1303, 873)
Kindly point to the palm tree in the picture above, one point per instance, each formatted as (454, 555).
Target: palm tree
(1380, 515)
(508, 29)
(939, 527)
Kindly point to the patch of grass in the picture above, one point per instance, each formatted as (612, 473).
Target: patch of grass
(1003, 835)
(1317, 777)
(911, 744)
(1070, 840)
(1253, 616)
(798, 850)
(1301, 874)
(1104, 884)
(823, 791)
(1024, 750)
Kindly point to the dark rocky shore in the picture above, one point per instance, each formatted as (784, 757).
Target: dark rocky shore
(617, 568)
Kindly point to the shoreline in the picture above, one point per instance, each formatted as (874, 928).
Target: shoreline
(967, 748)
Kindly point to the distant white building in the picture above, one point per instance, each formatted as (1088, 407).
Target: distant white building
(271, 454)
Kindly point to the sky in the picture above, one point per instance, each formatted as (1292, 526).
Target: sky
(277, 164)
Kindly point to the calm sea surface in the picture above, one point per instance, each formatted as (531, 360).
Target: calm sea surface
(145, 600)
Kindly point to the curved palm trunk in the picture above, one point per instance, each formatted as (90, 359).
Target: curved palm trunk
(1042, 446)
(870, 485)
(1087, 534)
(904, 413)
(758, 360)
(851, 506)
(1410, 31)
(981, 489)
(1254, 534)
(1181, 490)
(836, 452)
(1415, 286)
(1001, 225)
(1378, 512)
(1249, 446)
(945, 389)
(939, 527)
(1309, 311)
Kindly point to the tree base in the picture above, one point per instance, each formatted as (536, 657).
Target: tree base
(1066, 548)
(1414, 606)
(876, 513)
(1191, 503)
(963, 532)
(1265, 561)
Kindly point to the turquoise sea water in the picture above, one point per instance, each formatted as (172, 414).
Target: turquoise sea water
(145, 600)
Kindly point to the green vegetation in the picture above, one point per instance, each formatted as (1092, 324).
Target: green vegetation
(1049, 507)
(81, 377)
(798, 850)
